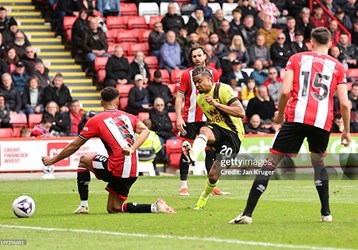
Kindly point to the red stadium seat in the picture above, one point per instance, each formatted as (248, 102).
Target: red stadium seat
(128, 9)
(175, 75)
(173, 88)
(143, 115)
(144, 36)
(165, 75)
(124, 89)
(125, 46)
(137, 22)
(34, 119)
(152, 62)
(127, 36)
(135, 47)
(68, 22)
(18, 120)
(116, 22)
(100, 62)
(173, 150)
(123, 102)
(173, 119)
(101, 75)
(130, 58)
(6, 133)
(112, 35)
(154, 19)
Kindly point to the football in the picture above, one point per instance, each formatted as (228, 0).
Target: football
(23, 206)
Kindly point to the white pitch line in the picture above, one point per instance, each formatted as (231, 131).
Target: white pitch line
(171, 237)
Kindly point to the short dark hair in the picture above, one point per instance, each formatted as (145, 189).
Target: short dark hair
(109, 94)
(46, 119)
(196, 47)
(201, 70)
(321, 35)
(355, 84)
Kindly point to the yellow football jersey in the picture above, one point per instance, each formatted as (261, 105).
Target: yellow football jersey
(222, 93)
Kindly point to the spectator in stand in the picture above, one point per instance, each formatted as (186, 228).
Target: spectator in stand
(219, 49)
(354, 32)
(195, 20)
(280, 52)
(138, 98)
(4, 19)
(348, 50)
(95, 43)
(343, 18)
(269, 33)
(337, 126)
(157, 89)
(108, 7)
(11, 93)
(248, 31)
(76, 113)
(118, 69)
(259, 51)
(208, 12)
(203, 32)
(226, 63)
(25, 132)
(9, 34)
(258, 74)
(42, 130)
(225, 33)
(156, 39)
(59, 93)
(248, 92)
(182, 37)
(238, 46)
(304, 23)
(89, 5)
(170, 54)
(236, 22)
(20, 43)
(353, 97)
(298, 45)
(63, 8)
(271, 9)
(350, 8)
(171, 20)
(79, 28)
(4, 113)
(31, 98)
(161, 123)
(193, 40)
(213, 60)
(260, 18)
(273, 84)
(337, 54)
(236, 77)
(290, 30)
(85, 117)
(41, 72)
(19, 77)
(262, 105)
(216, 20)
(30, 59)
(294, 7)
(318, 18)
(254, 126)
(7, 64)
(247, 7)
(3, 47)
(335, 32)
(61, 125)
(138, 66)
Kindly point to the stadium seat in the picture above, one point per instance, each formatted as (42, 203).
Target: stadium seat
(18, 120)
(111, 48)
(353, 73)
(130, 58)
(128, 9)
(164, 8)
(214, 6)
(34, 119)
(173, 150)
(100, 62)
(154, 19)
(165, 75)
(125, 46)
(135, 47)
(144, 36)
(127, 36)
(116, 22)
(228, 8)
(137, 22)
(148, 9)
(101, 75)
(143, 115)
(6, 133)
(152, 62)
(124, 89)
(68, 22)
(123, 102)
(173, 119)
(173, 88)
(188, 9)
(112, 35)
(176, 75)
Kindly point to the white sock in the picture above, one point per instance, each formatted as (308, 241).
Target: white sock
(84, 203)
(153, 208)
(183, 184)
(199, 146)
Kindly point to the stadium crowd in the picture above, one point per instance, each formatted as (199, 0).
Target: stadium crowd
(249, 46)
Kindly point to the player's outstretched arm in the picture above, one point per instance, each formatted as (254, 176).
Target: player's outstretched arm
(345, 108)
(66, 152)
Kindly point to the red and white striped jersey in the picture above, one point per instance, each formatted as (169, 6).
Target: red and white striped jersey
(192, 112)
(271, 8)
(315, 81)
(116, 130)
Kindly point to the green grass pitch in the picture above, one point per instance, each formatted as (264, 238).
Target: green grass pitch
(287, 217)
